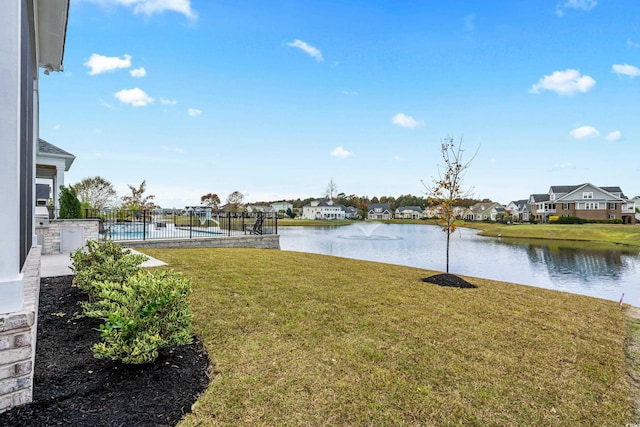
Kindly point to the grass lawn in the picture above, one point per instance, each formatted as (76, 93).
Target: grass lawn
(304, 339)
(604, 233)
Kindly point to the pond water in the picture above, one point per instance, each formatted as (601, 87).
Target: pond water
(589, 269)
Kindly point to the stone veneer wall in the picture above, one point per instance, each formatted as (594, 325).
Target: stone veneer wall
(18, 340)
(270, 241)
(50, 229)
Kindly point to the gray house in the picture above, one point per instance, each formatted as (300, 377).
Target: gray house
(379, 211)
(409, 212)
(520, 209)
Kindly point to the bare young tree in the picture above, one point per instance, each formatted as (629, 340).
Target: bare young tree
(137, 200)
(234, 202)
(332, 189)
(447, 189)
(95, 192)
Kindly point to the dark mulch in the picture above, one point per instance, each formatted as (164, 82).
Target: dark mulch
(449, 280)
(72, 388)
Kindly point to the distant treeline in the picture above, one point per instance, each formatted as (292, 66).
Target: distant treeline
(361, 202)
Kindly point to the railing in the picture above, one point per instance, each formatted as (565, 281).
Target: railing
(179, 224)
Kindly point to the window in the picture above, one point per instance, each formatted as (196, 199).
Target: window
(565, 206)
(612, 205)
(587, 195)
(591, 205)
(612, 216)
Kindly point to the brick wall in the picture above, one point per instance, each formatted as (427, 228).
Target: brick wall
(50, 232)
(17, 340)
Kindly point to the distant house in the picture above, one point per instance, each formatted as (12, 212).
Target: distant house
(283, 207)
(350, 212)
(323, 209)
(409, 212)
(519, 209)
(437, 211)
(379, 211)
(483, 211)
(586, 201)
(254, 209)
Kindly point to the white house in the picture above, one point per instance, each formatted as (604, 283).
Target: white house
(409, 212)
(323, 209)
(32, 36)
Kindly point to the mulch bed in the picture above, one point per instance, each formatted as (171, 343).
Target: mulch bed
(449, 280)
(72, 388)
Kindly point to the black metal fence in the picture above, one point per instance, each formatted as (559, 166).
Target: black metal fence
(180, 224)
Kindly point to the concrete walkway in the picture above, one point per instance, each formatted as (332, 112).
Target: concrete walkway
(58, 264)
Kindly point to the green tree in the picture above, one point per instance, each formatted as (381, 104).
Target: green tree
(211, 200)
(95, 192)
(447, 187)
(137, 201)
(69, 204)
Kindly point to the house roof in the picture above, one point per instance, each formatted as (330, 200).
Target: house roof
(540, 197)
(608, 190)
(564, 189)
(409, 208)
(383, 206)
(48, 149)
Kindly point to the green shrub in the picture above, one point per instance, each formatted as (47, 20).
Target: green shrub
(141, 315)
(103, 261)
(70, 207)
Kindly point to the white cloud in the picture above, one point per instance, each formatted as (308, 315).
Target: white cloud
(565, 82)
(104, 64)
(341, 152)
(627, 70)
(194, 112)
(585, 5)
(56, 127)
(307, 48)
(138, 72)
(350, 93)
(164, 101)
(405, 121)
(614, 136)
(136, 97)
(150, 7)
(584, 132)
(631, 43)
(106, 104)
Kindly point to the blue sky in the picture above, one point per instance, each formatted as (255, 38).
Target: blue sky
(274, 99)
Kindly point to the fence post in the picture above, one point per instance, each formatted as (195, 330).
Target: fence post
(190, 224)
(229, 223)
(276, 219)
(144, 224)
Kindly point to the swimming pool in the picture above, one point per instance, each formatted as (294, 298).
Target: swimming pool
(139, 231)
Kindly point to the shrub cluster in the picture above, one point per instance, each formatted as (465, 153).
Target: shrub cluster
(576, 220)
(102, 261)
(142, 311)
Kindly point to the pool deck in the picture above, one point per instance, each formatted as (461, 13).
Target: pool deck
(58, 264)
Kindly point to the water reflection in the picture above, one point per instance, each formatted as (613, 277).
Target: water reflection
(596, 270)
